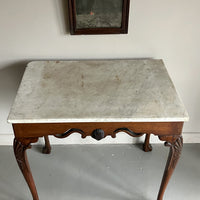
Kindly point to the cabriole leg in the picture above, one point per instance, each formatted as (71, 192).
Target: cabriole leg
(175, 144)
(47, 148)
(20, 146)
(147, 147)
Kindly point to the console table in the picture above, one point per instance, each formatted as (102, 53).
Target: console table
(97, 98)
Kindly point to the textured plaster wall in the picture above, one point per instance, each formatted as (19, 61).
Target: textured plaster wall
(36, 30)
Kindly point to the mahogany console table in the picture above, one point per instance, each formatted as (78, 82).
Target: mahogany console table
(97, 98)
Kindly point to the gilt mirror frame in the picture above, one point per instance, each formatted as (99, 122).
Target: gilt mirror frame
(109, 28)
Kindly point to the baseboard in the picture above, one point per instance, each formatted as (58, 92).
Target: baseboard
(7, 139)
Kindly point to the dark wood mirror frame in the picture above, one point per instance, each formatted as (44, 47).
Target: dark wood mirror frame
(98, 30)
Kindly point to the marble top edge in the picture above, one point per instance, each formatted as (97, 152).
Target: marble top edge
(16, 121)
(92, 60)
(96, 59)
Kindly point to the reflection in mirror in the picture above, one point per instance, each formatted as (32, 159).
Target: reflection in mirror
(98, 13)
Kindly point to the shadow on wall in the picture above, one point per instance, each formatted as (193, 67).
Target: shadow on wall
(10, 78)
(66, 16)
(62, 15)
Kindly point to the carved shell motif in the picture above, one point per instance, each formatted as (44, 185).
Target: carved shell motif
(98, 134)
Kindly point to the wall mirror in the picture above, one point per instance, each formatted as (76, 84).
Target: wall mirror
(98, 16)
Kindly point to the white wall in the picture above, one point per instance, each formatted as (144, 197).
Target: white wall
(167, 29)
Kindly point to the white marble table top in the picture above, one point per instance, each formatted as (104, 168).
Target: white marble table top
(97, 91)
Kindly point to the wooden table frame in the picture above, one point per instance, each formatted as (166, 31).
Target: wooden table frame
(25, 134)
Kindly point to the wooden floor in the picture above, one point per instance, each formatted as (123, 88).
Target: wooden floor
(101, 172)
